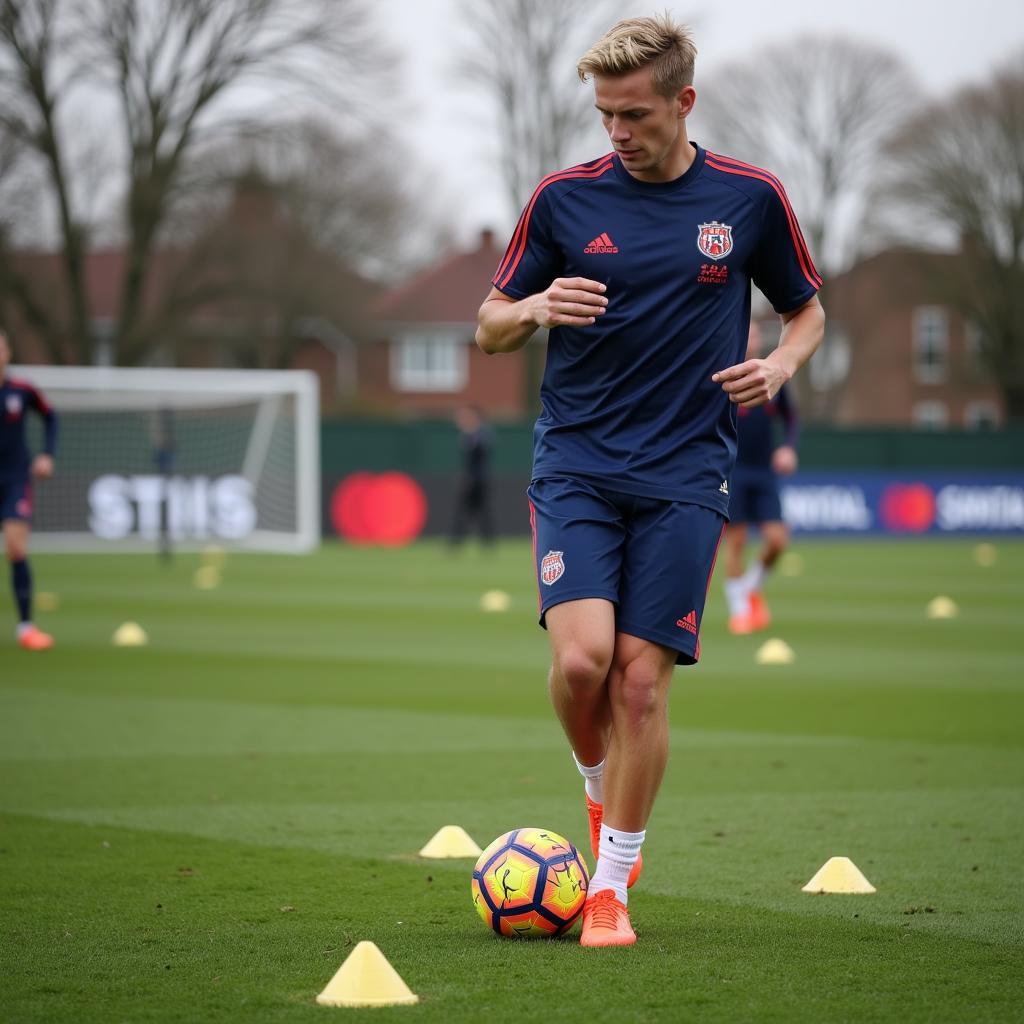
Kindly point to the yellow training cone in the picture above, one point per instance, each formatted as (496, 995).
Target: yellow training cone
(839, 874)
(451, 841)
(495, 601)
(985, 555)
(774, 652)
(942, 608)
(130, 634)
(47, 601)
(215, 555)
(206, 577)
(367, 979)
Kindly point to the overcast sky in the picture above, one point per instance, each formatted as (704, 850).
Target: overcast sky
(944, 44)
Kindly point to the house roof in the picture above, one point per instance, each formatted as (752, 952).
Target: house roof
(447, 292)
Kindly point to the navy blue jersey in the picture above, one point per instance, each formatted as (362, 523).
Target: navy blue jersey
(629, 400)
(762, 429)
(17, 397)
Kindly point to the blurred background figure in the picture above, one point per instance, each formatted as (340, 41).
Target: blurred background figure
(754, 500)
(164, 454)
(473, 501)
(17, 470)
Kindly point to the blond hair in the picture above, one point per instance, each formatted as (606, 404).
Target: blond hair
(656, 42)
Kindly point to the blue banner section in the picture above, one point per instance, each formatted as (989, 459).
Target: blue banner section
(904, 503)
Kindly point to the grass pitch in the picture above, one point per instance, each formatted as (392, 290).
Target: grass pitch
(202, 829)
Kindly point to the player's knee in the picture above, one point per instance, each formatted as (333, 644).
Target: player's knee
(582, 668)
(15, 549)
(776, 542)
(639, 694)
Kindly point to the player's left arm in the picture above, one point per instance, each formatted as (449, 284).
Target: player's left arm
(42, 464)
(756, 381)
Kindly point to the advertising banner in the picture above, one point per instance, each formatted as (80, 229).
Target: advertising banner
(904, 503)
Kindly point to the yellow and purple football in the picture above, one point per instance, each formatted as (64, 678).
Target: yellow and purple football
(530, 883)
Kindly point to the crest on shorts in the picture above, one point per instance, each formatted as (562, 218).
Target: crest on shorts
(552, 567)
(13, 405)
(714, 239)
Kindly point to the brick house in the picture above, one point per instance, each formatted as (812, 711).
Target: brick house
(254, 291)
(424, 359)
(898, 353)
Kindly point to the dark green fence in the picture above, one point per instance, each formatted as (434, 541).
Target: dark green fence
(431, 447)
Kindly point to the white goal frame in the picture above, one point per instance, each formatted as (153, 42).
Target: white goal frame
(114, 388)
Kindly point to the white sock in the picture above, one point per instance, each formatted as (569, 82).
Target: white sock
(593, 776)
(23, 628)
(738, 596)
(754, 576)
(616, 855)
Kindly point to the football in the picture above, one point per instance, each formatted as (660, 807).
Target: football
(530, 883)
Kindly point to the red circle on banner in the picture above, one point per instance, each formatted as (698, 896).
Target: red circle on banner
(347, 505)
(388, 509)
(908, 508)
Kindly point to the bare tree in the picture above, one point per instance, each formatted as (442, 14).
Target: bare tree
(959, 164)
(814, 111)
(172, 60)
(523, 54)
(275, 222)
(178, 72)
(33, 88)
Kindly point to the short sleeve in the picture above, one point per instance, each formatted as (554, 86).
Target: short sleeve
(781, 266)
(531, 260)
(37, 402)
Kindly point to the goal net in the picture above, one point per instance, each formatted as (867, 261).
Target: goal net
(181, 457)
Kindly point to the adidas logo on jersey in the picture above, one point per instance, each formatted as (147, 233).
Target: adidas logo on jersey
(602, 244)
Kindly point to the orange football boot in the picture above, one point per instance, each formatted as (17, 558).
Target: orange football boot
(595, 812)
(606, 921)
(740, 625)
(33, 639)
(760, 617)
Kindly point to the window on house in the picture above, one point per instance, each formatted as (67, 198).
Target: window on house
(981, 415)
(931, 344)
(429, 363)
(931, 415)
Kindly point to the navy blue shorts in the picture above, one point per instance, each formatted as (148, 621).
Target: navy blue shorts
(754, 497)
(16, 499)
(651, 558)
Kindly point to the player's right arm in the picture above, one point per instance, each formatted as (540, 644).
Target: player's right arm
(42, 464)
(507, 324)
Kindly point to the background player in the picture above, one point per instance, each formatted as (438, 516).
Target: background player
(473, 500)
(639, 263)
(754, 499)
(16, 472)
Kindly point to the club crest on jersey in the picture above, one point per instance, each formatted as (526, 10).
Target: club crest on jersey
(552, 567)
(714, 239)
(13, 405)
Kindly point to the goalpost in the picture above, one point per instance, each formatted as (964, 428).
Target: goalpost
(182, 458)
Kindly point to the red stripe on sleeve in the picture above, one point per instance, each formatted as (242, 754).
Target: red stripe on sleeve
(749, 171)
(778, 186)
(517, 246)
(523, 217)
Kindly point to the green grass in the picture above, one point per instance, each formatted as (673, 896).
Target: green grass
(200, 830)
